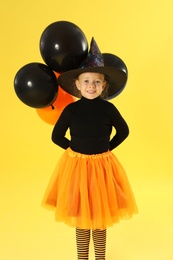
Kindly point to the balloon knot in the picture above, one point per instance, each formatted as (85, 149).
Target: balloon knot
(52, 107)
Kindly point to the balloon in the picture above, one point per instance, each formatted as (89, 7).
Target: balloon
(63, 99)
(49, 114)
(114, 61)
(36, 85)
(63, 46)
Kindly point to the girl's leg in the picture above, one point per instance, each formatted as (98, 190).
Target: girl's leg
(99, 239)
(82, 240)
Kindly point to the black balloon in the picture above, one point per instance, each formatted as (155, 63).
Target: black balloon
(63, 46)
(35, 85)
(114, 61)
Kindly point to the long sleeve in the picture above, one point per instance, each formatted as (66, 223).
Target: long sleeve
(60, 129)
(122, 129)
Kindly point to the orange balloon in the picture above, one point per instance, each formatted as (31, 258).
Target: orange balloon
(49, 115)
(57, 74)
(63, 99)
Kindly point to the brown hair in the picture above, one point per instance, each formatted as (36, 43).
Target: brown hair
(104, 93)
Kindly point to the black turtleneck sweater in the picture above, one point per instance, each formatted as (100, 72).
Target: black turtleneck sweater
(90, 122)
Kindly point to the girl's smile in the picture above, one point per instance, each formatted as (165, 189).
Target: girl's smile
(91, 84)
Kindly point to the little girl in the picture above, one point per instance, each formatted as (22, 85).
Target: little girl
(89, 189)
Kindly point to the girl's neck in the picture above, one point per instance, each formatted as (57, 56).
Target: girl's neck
(90, 100)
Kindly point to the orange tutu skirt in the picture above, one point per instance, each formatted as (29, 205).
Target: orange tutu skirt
(89, 191)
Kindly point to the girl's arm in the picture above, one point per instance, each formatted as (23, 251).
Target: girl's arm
(122, 130)
(60, 129)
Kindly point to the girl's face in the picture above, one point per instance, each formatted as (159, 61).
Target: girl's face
(90, 84)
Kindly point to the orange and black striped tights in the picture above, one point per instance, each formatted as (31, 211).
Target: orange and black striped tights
(83, 241)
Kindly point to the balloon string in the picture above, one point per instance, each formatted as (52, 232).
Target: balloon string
(52, 107)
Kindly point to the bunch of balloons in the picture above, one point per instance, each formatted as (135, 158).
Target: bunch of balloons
(63, 47)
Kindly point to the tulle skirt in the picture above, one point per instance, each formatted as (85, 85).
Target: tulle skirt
(89, 191)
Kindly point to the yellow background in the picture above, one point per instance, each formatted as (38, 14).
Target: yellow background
(141, 33)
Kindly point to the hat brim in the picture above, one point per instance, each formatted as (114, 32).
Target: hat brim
(117, 79)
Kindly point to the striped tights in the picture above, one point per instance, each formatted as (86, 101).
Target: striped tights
(83, 240)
